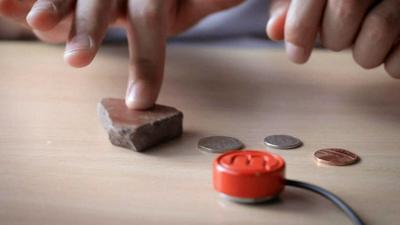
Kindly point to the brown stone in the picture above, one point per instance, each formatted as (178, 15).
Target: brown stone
(139, 130)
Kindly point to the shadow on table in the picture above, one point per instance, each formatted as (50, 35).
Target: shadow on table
(170, 149)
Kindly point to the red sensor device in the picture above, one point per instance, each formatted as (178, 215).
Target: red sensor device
(249, 176)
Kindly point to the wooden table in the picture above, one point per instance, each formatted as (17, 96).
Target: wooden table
(58, 167)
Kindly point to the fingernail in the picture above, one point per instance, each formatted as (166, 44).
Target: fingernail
(42, 7)
(131, 93)
(79, 43)
(136, 99)
(296, 53)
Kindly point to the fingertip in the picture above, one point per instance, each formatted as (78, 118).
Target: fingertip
(275, 28)
(79, 58)
(297, 54)
(42, 16)
(276, 23)
(138, 105)
(80, 51)
(141, 96)
(366, 62)
(393, 70)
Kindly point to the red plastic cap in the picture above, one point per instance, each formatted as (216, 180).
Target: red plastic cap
(249, 174)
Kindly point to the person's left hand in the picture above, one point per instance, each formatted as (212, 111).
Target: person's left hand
(371, 28)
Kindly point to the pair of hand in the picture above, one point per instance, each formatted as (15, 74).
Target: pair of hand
(370, 27)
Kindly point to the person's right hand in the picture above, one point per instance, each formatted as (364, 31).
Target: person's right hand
(82, 24)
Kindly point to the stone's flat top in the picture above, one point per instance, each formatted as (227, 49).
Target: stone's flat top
(57, 167)
(122, 116)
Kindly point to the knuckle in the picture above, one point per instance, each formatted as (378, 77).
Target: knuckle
(150, 13)
(380, 24)
(339, 31)
(84, 23)
(346, 9)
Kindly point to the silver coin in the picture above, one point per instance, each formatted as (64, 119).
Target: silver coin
(219, 144)
(282, 142)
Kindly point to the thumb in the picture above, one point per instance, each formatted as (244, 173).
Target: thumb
(276, 23)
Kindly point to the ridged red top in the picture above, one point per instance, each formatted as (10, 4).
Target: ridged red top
(249, 174)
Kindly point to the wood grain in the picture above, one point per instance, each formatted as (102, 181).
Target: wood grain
(58, 167)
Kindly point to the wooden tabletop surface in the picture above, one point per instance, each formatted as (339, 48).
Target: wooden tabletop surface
(58, 167)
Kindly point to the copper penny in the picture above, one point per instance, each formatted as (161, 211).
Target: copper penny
(335, 157)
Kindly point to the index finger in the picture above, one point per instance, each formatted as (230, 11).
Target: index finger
(146, 36)
(302, 25)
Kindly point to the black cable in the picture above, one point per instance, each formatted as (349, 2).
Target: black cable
(330, 196)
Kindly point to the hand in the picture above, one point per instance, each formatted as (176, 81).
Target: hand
(82, 24)
(370, 27)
